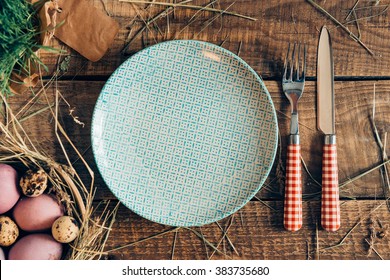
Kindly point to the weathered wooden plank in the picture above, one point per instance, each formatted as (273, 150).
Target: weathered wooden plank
(263, 42)
(257, 233)
(358, 150)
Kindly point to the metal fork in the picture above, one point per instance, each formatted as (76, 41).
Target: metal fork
(293, 83)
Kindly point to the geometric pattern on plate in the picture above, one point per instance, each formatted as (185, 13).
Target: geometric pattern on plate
(184, 133)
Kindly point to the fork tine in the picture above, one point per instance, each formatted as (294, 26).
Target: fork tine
(292, 63)
(286, 62)
(298, 61)
(304, 61)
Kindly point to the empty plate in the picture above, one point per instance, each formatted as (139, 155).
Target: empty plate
(184, 133)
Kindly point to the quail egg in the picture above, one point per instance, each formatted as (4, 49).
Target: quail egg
(33, 183)
(9, 231)
(65, 229)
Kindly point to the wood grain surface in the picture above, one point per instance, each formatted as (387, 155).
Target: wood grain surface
(257, 229)
(256, 232)
(263, 42)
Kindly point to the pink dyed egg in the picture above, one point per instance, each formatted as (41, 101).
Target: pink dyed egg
(2, 255)
(9, 190)
(36, 246)
(37, 213)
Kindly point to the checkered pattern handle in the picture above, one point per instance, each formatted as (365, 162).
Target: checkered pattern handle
(293, 189)
(330, 208)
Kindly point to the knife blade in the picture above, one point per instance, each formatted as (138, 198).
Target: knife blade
(330, 208)
(325, 89)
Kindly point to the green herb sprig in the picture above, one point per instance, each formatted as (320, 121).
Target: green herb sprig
(19, 35)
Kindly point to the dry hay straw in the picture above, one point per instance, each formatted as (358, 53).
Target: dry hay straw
(152, 13)
(18, 149)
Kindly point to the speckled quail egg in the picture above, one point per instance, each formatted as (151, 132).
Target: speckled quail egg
(65, 229)
(9, 231)
(33, 183)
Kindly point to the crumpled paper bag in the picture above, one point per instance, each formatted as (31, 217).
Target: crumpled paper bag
(86, 29)
(48, 17)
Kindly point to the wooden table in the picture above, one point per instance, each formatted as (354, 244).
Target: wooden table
(256, 231)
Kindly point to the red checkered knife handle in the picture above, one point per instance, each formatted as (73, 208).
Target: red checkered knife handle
(330, 207)
(293, 189)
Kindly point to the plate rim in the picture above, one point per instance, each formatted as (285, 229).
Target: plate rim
(263, 88)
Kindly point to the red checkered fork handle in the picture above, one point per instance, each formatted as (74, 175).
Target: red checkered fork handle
(330, 207)
(293, 189)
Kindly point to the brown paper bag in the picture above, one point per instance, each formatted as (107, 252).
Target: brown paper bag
(48, 17)
(86, 29)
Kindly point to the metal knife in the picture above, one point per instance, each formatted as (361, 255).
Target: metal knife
(330, 207)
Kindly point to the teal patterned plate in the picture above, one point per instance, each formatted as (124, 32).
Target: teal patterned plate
(184, 133)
